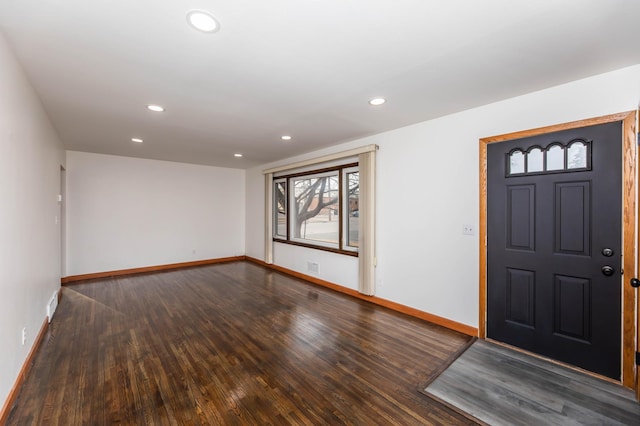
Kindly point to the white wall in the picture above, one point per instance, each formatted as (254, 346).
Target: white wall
(427, 188)
(128, 212)
(332, 267)
(30, 159)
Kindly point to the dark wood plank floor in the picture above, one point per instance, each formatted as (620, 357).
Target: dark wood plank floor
(231, 344)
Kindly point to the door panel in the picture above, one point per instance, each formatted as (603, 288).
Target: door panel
(520, 297)
(572, 303)
(553, 207)
(572, 218)
(520, 217)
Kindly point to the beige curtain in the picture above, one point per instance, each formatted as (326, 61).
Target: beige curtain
(367, 228)
(268, 218)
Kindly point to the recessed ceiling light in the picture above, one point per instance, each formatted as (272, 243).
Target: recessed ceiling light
(285, 138)
(202, 21)
(137, 140)
(237, 155)
(377, 101)
(155, 108)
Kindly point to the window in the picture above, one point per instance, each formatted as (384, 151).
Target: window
(318, 209)
(555, 158)
(280, 204)
(338, 193)
(351, 219)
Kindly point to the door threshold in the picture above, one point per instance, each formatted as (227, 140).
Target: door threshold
(555, 361)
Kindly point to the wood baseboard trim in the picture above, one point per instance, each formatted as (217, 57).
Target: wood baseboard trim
(445, 322)
(453, 325)
(13, 394)
(75, 278)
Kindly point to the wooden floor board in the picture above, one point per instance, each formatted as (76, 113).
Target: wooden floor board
(501, 386)
(231, 344)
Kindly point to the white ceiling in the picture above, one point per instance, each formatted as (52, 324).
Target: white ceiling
(301, 67)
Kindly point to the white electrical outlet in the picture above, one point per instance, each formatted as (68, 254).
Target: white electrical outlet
(468, 229)
(24, 335)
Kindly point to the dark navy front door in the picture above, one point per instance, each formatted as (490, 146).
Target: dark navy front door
(554, 245)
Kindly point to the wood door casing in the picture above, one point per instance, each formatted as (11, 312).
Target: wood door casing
(632, 163)
(630, 192)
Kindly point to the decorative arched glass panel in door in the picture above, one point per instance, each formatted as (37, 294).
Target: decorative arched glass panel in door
(577, 155)
(516, 162)
(535, 160)
(556, 157)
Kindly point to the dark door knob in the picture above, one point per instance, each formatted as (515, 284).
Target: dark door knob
(635, 282)
(607, 252)
(607, 270)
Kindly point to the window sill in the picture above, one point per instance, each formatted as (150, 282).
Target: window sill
(329, 249)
